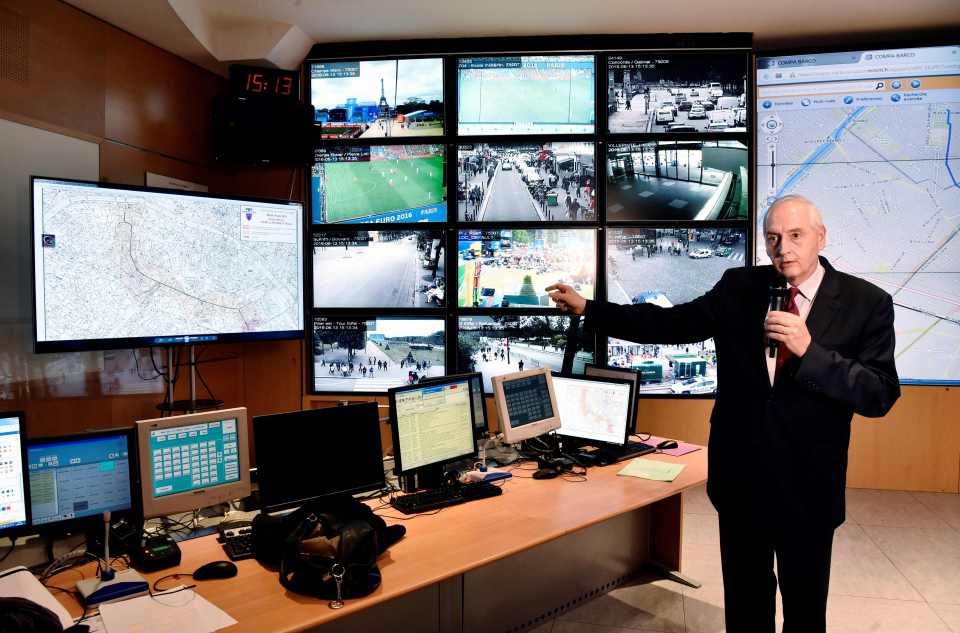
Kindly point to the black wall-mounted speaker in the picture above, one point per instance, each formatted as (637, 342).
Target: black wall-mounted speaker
(262, 131)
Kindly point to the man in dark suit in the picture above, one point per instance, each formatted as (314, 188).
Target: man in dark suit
(780, 426)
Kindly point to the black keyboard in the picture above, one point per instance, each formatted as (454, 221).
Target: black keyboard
(443, 497)
(611, 454)
(237, 539)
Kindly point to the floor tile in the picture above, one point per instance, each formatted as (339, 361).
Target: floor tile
(929, 559)
(702, 562)
(567, 626)
(846, 614)
(653, 606)
(950, 614)
(889, 508)
(946, 505)
(546, 627)
(860, 568)
(701, 529)
(695, 501)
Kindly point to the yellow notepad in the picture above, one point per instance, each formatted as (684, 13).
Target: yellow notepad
(650, 469)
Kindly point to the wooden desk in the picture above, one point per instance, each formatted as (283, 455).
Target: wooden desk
(499, 564)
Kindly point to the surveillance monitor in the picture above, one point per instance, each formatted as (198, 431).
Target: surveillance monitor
(14, 499)
(193, 461)
(526, 404)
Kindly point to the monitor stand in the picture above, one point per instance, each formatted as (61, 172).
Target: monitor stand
(169, 405)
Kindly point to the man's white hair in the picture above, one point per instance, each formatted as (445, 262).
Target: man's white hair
(816, 219)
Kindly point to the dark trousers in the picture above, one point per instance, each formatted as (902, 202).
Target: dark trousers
(750, 586)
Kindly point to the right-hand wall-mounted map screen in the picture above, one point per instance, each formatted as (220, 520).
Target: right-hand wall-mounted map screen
(872, 137)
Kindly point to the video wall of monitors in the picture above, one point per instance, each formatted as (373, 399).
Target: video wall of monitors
(453, 184)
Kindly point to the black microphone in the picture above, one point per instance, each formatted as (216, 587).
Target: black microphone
(778, 300)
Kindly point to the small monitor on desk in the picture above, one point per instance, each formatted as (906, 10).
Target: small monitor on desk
(193, 461)
(14, 506)
(621, 373)
(526, 404)
(480, 425)
(593, 410)
(74, 479)
(432, 424)
(306, 455)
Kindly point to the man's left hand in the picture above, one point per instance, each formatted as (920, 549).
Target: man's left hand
(789, 329)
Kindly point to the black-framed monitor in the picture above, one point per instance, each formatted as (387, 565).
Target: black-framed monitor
(510, 268)
(526, 404)
(594, 410)
(480, 424)
(621, 373)
(14, 482)
(377, 98)
(315, 453)
(193, 461)
(75, 478)
(117, 266)
(383, 269)
(378, 184)
(432, 425)
(526, 94)
(832, 126)
(370, 354)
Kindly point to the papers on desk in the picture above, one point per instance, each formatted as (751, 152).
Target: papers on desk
(650, 469)
(18, 582)
(170, 612)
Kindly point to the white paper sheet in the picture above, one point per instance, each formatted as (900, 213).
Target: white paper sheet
(179, 612)
(18, 582)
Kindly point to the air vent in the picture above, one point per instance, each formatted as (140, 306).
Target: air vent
(13, 45)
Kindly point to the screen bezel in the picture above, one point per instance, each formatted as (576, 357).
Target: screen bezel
(200, 497)
(511, 434)
(395, 427)
(27, 526)
(76, 345)
(626, 422)
(77, 524)
(361, 413)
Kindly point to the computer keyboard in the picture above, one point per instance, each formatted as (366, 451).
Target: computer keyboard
(612, 454)
(237, 539)
(443, 497)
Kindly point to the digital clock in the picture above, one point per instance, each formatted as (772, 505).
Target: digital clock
(274, 83)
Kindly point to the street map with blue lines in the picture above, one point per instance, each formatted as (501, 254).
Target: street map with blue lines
(887, 179)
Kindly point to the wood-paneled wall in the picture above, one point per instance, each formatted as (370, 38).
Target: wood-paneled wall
(149, 111)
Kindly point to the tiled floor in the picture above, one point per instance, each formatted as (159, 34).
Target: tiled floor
(896, 569)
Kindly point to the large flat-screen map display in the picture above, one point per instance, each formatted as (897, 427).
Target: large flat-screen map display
(123, 267)
(531, 94)
(873, 139)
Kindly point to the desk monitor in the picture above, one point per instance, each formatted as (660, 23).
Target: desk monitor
(14, 501)
(480, 424)
(193, 461)
(305, 455)
(526, 404)
(593, 409)
(432, 424)
(75, 477)
(631, 375)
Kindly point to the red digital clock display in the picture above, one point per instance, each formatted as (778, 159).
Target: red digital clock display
(264, 82)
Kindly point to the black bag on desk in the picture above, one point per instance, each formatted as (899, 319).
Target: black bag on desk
(308, 542)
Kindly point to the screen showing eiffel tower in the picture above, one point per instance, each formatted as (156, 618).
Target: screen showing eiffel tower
(378, 99)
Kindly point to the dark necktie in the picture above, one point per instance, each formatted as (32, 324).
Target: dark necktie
(783, 352)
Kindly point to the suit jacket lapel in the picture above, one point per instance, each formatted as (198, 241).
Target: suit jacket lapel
(826, 304)
(758, 313)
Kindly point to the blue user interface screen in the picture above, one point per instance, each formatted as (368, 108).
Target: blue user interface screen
(13, 508)
(81, 478)
(187, 458)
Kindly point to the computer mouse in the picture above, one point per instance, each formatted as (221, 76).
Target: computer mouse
(546, 473)
(666, 444)
(216, 569)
